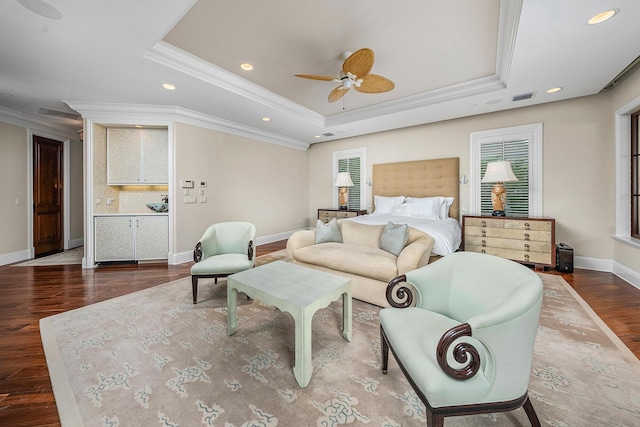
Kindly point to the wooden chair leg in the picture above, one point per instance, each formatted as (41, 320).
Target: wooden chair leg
(385, 352)
(434, 420)
(194, 287)
(531, 413)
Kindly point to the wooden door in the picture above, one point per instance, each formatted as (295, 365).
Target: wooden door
(47, 196)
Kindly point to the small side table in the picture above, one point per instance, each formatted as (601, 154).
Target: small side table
(300, 291)
(326, 215)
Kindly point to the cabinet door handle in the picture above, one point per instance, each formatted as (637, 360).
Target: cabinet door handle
(130, 222)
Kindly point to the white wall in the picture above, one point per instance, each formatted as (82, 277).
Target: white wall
(14, 146)
(247, 180)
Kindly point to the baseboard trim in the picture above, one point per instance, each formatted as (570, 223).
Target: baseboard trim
(75, 243)
(14, 257)
(627, 274)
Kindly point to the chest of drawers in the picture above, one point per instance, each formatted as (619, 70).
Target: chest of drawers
(521, 239)
(327, 215)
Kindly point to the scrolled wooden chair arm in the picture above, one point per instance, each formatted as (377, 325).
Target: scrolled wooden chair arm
(462, 352)
(399, 296)
(250, 250)
(197, 252)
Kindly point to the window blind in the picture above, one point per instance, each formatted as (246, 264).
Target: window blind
(352, 165)
(517, 152)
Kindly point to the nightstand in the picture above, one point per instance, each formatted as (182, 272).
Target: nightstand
(522, 239)
(327, 215)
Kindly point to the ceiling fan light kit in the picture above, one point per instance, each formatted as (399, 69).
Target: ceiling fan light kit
(355, 74)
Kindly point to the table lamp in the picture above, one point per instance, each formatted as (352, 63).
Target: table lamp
(499, 172)
(343, 182)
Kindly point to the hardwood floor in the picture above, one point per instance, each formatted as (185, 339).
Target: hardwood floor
(28, 294)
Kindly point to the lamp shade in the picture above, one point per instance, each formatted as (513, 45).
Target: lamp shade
(343, 180)
(499, 172)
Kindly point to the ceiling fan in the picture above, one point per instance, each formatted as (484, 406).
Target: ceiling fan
(355, 74)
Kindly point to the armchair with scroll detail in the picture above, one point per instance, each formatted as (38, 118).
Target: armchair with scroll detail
(224, 248)
(462, 330)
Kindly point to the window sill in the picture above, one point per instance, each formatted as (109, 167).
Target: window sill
(629, 241)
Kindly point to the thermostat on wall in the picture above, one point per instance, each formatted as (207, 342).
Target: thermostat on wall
(187, 183)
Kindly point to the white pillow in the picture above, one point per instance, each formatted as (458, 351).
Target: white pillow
(384, 205)
(444, 208)
(401, 210)
(425, 207)
(423, 204)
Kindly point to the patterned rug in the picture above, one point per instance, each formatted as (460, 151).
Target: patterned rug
(153, 358)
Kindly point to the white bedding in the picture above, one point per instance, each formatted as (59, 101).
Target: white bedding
(446, 232)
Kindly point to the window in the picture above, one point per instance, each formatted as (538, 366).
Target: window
(352, 161)
(635, 176)
(522, 146)
(517, 152)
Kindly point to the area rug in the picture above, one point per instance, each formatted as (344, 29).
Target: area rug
(71, 256)
(154, 358)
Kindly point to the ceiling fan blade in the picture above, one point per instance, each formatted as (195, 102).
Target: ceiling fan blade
(337, 93)
(373, 83)
(312, 77)
(359, 63)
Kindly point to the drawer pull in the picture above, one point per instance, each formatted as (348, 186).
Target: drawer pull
(526, 225)
(484, 223)
(526, 236)
(484, 233)
(526, 257)
(526, 247)
(484, 251)
(484, 243)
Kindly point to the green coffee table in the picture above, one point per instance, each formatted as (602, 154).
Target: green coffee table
(300, 291)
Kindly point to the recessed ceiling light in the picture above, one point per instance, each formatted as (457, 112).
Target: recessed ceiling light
(318, 136)
(168, 86)
(603, 16)
(554, 90)
(137, 126)
(246, 66)
(266, 119)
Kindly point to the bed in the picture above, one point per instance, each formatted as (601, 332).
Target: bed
(413, 182)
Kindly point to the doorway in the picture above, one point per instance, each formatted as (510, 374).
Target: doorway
(48, 233)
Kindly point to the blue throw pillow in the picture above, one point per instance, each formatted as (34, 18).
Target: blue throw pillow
(328, 232)
(394, 238)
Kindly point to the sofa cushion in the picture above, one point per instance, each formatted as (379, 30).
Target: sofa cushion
(394, 238)
(361, 260)
(328, 232)
(354, 233)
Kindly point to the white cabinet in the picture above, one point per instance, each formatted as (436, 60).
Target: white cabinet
(151, 237)
(137, 156)
(127, 238)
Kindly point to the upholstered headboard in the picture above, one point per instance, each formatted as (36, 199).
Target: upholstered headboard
(420, 178)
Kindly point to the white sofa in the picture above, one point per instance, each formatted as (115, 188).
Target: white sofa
(360, 258)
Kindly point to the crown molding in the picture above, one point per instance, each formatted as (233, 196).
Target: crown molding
(38, 124)
(421, 100)
(162, 114)
(170, 56)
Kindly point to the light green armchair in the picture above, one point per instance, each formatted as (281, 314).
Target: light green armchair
(462, 329)
(225, 248)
